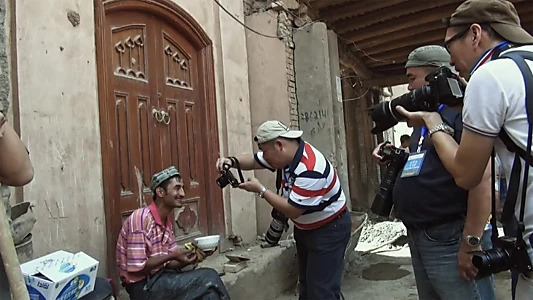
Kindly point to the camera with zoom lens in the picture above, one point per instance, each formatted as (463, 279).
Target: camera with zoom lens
(227, 178)
(279, 224)
(508, 253)
(396, 159)
(443, 88)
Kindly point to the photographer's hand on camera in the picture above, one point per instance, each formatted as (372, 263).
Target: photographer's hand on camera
(252, 185)
(376, 155)
(467, 270)
(223, 161)
(429, 119)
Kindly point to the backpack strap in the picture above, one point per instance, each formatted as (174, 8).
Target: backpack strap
(450, 117)
(519, 57)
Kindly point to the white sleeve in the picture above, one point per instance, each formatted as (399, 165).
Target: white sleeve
(261, 161)
(485, 103)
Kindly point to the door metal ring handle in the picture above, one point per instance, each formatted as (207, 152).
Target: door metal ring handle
(166, 117)
(158, 115)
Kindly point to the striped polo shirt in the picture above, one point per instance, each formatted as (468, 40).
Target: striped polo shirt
(311, 183)
(143, 235)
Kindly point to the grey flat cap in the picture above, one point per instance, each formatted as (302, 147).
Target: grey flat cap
(426, 56)
(158, 178)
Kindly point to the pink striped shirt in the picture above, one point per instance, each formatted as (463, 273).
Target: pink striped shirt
(143, 235)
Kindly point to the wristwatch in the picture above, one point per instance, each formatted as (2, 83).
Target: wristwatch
(262, 192)
(472, 241)
(441, 127)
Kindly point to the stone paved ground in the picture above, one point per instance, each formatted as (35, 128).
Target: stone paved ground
(389, 276)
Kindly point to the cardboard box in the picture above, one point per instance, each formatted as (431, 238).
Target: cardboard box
(60, 276)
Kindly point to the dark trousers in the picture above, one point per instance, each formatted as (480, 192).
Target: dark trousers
(321, 258)
(199, 284)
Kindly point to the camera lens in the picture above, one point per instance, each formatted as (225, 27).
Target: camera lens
(222, 181)
(274, 232)
(492, 261)
(385, 115)
(382, 204)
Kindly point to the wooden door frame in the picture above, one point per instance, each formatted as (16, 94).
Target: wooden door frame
(173, 14)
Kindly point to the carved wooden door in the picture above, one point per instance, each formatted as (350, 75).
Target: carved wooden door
(181, 143)
(153, 117)
(134, 131)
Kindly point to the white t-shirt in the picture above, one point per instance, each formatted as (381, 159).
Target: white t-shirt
(495, 98)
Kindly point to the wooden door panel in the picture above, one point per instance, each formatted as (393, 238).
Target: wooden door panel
(133, 143)
(191, 119)
(135, 94)
(181, 142)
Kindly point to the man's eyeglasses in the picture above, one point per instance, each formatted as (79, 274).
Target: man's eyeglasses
(457, 36)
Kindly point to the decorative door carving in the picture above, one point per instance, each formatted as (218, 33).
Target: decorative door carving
(157, 109)
(132, 94)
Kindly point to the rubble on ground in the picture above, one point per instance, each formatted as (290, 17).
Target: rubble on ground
(382, 232)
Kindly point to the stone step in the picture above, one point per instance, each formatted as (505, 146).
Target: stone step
(269, 273)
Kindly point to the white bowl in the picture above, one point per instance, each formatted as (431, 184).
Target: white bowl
(207, 243)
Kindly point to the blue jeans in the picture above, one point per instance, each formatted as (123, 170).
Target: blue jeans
(434, 256)
(321, 258)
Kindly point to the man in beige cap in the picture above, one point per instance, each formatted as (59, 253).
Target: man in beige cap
(312, 198)
(479, 34)
(437, 213)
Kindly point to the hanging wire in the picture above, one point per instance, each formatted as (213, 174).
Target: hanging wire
(255, 31)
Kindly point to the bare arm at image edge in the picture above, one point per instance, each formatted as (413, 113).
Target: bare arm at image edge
(15, 165)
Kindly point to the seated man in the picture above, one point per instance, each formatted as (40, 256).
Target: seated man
(149, 261)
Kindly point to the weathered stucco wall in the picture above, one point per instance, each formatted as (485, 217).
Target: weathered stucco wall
(269, 93)
(234, 123)
(59, 117)
(59, 124)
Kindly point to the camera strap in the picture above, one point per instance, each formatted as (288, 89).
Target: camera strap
(278, 181)
(236, 164)
(519, 57)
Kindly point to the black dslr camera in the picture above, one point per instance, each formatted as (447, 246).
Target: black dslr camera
(227, 177)
(396, 159)
(443, 88)
(507, 253)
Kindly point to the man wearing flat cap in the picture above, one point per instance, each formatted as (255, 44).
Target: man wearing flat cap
(436, 212)
(312, 198)
(482, 37)
(150, 264)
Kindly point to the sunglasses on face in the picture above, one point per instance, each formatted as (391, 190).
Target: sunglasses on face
(457, 36)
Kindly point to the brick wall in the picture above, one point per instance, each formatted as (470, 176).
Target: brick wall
(285, 30)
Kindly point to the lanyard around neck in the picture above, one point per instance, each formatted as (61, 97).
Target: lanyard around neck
(487, 56)
(423, 132)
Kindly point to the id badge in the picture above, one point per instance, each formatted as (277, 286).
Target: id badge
(413, 165)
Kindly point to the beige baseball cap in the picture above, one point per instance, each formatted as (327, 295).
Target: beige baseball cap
(273, 129)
